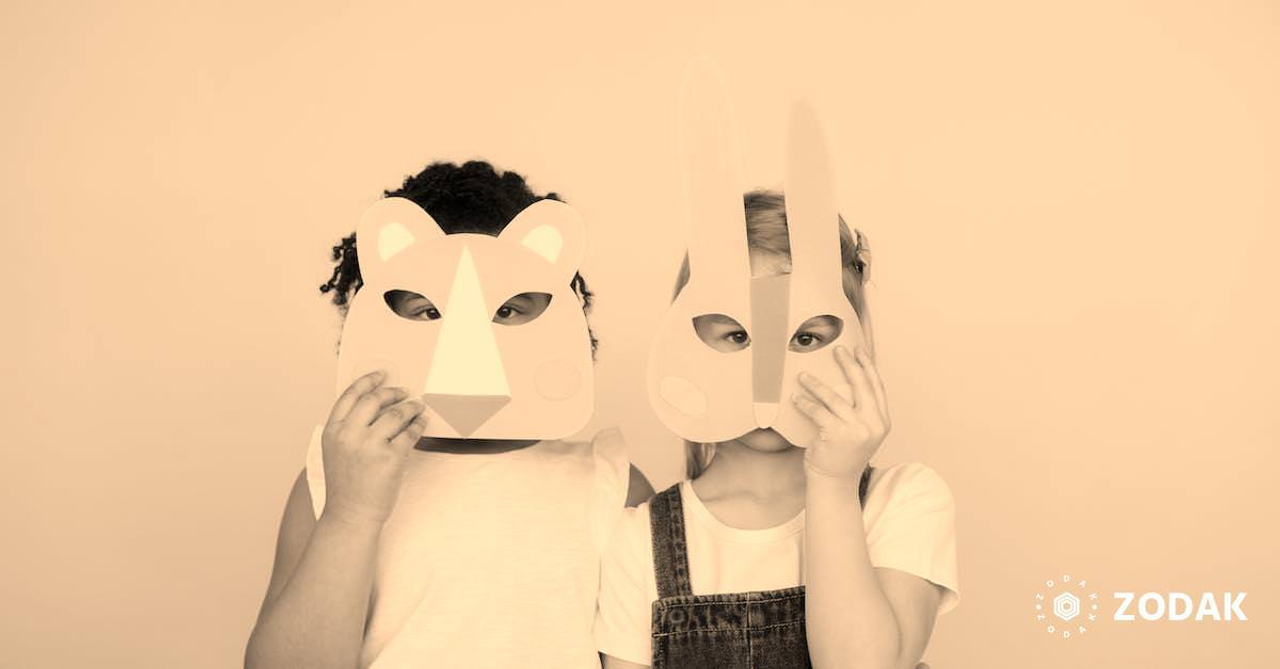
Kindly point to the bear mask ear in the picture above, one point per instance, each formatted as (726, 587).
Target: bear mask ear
(388, 227)
(552, 230)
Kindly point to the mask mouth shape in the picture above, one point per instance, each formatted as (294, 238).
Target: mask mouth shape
(765, 413)
(465, 413)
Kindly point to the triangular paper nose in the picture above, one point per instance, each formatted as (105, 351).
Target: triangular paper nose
(465, 413)
(466, 360)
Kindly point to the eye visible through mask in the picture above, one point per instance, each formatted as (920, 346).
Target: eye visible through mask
(723, 333)
(411, 305)
(522, 308)
(815, 333)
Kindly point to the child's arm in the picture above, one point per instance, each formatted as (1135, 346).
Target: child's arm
(314, 612)
(895, 610)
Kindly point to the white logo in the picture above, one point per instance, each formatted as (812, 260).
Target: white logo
(1066, 606)
(1177, 606)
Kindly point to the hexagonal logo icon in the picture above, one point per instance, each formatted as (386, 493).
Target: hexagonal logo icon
(1066, 606)
(1072, 602)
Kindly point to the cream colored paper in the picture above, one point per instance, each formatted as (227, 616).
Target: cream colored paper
(707, 395)
(479, 378)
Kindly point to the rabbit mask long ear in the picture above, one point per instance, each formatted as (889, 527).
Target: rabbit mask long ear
(813, 224)
(699, 392)
(817, 273)
(716, 223)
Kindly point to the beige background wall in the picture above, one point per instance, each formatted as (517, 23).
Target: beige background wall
(1072, 206)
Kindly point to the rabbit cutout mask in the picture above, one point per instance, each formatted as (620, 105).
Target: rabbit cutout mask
(709, 390)
(483, 370)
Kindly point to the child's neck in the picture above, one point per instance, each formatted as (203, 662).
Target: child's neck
(752, 489)
(473, 446)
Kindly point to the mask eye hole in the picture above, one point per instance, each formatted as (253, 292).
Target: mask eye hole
(815, 334)
(522, 308)
(411, 305)
(721, 332)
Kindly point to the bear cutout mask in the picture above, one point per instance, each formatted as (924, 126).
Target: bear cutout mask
(485, 330)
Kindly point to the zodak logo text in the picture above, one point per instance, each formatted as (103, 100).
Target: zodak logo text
(1179, 606)
(1069, 607)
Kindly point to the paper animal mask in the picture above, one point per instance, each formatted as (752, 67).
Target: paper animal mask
(486, 330)
(704, 384)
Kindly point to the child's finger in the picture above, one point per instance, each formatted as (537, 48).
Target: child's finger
(409, 436)
(849, 367)
(857, 375)
(877, 384)
(838, 405)
(343, 405)
(395, 419)
(817, 412)
(372, 403)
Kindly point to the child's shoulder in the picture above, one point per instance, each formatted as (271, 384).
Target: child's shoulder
(603, 459)
(629, 540)
(608, 443)
(634, 526)
(604, 454)
(906, 484)
(901, 474)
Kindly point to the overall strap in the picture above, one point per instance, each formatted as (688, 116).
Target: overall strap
(670, 559)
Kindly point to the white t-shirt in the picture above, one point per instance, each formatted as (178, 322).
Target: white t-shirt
(492, 560)
(909, 517)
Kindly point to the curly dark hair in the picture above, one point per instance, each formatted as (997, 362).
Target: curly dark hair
(473, 197)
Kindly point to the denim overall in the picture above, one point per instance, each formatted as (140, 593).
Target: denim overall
(741, 629)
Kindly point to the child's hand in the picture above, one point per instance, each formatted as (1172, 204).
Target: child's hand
(368, 437)
(848, 431)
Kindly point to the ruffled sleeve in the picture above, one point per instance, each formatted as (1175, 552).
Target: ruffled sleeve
(612, 476)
